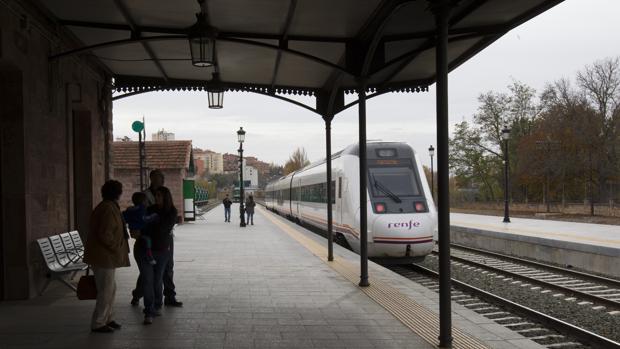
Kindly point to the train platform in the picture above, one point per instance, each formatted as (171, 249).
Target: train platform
(267, 285)
(589, 247)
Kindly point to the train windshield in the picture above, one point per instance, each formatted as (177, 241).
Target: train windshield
(393, 182)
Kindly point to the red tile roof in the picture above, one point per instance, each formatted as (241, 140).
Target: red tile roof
(159, 154)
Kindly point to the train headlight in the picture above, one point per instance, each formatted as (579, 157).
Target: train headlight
(380, 207)
(420, 207)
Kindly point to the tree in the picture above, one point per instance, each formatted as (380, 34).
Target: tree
(472, 162)
(600, 84)
(297, 161)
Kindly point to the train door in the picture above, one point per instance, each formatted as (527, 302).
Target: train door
(297, 197)
(340, 198)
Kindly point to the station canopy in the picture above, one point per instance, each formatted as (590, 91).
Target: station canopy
(283, 46)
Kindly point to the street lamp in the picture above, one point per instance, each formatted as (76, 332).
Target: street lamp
(431, 153)
(241, 138)
(505, 137)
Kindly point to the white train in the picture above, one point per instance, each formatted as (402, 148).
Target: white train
(402, 219)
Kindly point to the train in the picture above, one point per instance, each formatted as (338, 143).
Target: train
(401, 213)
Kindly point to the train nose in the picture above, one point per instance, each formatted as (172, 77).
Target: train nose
(403, 229)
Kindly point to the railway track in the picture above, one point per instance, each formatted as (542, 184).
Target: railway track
(537, 326)
(602, 293)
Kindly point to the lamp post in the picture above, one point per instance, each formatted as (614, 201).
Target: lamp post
(138, 126)
(431, 153)
(505, 137)
(241, 138)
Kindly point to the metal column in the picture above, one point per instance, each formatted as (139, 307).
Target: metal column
(328, 162)
(363, 196)
(241, 188)
(441, 10)
(507, 185)
(142, 157)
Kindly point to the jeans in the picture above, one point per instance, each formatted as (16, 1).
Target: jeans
(250, 218)
(152, 279)
(226, 214)
(169, 287)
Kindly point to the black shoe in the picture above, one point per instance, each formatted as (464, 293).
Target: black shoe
(103, 329)
(135, 301)
(114, 325)
(148, 320)
(173, 303)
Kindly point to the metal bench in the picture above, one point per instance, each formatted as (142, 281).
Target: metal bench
(63, 255)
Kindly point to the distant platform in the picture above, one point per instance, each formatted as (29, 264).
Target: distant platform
(589, 247)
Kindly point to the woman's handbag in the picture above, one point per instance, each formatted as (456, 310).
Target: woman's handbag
(87, 289)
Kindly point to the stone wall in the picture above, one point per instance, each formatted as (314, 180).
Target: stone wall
(56, 132)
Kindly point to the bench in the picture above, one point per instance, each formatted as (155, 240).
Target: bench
(63, 255)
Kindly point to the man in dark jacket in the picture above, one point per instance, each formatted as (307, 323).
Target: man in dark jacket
(227, 204)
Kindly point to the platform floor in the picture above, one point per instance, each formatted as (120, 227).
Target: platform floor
(581, 233)
(263, 286)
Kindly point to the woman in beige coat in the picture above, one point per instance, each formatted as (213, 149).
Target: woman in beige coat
(106, 249)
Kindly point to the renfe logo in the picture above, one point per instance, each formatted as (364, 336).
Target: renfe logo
(409, 225)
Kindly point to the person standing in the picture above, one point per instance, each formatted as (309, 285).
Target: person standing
(227, 203)
(160, 234)
(249, 209)
(157, 179)
(106, 249)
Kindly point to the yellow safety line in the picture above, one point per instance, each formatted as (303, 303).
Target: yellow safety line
(416, 317)
(537, 233)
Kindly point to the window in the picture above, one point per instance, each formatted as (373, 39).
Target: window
(398, 180)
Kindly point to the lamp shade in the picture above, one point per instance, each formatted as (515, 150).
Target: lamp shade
(216, 99)
(241, 135)
(202, 42)
(505, 132)
(215, 92)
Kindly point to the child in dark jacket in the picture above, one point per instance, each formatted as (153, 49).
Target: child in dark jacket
(137, 218)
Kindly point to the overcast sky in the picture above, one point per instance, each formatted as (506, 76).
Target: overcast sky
(554, 45)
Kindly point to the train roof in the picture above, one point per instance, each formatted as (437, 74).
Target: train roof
(353, 149)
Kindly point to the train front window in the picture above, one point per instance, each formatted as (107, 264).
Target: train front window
(393, 181)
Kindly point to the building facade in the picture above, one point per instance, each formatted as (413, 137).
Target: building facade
(162, 135)
(173, 158)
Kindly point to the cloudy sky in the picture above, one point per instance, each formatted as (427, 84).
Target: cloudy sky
(554, 45)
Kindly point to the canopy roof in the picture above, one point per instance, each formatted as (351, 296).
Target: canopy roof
(318, 47)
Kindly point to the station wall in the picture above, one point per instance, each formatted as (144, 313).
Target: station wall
(55, 136)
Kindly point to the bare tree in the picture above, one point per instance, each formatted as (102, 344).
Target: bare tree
(297, 161)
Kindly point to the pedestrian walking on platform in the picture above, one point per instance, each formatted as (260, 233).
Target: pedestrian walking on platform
(249, 209)
(106, 249)
(227, 203)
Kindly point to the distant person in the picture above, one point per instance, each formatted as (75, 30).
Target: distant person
(249, 209)
(106, 249)
(160, 233)
(137, 218)
(227, 203)
(157, 179)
